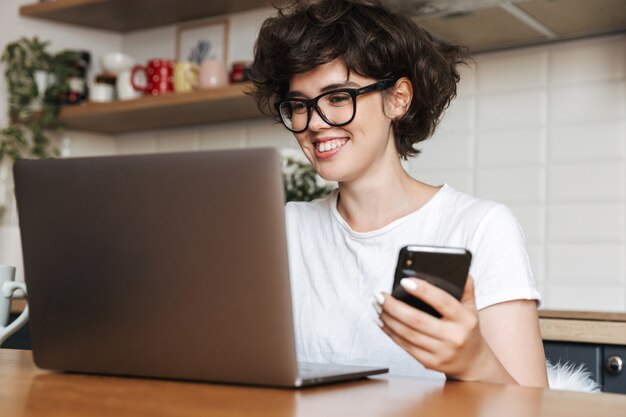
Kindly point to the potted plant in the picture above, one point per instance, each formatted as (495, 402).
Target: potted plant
(300, 179)
(36, 80)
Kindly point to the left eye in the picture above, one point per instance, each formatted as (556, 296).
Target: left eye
(339, 98)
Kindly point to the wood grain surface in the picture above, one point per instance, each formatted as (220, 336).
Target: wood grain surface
(28, 392)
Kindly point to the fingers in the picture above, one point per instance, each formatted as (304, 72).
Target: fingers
(425, 357)
(414, 337)
(468, 293)
(412, 318)
(440, 300)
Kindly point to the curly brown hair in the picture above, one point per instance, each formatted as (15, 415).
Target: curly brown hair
(373, 40)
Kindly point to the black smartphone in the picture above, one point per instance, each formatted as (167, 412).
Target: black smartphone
(445, 267)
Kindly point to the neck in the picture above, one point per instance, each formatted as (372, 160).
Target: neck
(385, 194)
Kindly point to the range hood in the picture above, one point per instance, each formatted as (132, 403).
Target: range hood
(488, 25)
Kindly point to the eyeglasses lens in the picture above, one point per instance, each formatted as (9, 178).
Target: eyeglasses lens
(336, 108)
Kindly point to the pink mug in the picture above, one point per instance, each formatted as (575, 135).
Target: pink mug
(158, 74)
(210, 73)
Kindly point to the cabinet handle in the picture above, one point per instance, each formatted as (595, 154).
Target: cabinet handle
(614, 364)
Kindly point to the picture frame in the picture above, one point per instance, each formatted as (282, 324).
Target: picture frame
(213, 32)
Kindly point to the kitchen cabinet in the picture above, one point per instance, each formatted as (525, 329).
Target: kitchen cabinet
(129, 15)
(596, 340)
(600, 360)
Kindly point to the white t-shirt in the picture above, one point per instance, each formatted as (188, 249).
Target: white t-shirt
(335, 271)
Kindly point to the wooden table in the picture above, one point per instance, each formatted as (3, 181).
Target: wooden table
(27, 391)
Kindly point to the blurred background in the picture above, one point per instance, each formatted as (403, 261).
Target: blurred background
(539, 122)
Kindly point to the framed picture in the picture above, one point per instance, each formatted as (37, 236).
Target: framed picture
(204, 40)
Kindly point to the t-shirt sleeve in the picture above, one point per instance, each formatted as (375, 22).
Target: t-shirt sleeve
(500, 264)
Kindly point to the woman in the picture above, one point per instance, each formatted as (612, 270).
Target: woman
(360, 85)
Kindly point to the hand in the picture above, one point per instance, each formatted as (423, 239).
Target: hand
(451, 344)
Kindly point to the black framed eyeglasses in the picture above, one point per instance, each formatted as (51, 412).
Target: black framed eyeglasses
(335, 107)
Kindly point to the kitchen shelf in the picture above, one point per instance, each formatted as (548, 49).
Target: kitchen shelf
(220, 104)
(129, 15)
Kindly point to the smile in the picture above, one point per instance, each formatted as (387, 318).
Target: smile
(330, 145)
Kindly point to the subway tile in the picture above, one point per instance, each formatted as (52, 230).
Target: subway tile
(467, 84)
(446, 151)
(222, 136)
(513, 109)
(586, 182)
(75, 143)
(532, 220)
(459, 116)
(267, 133)
(137, 143)
(179, 140)
(512, 70)
(510, 147)
(585, 298)
(587, 61)
(585, 264)
(587, 142)
(459, 180)
(587, 102)
(586, 223)
(511, 186)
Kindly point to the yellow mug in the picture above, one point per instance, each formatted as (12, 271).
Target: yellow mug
(185, 76)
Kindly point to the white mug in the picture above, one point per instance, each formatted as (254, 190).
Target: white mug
(101, 93)
(7, 289)
(125, 89)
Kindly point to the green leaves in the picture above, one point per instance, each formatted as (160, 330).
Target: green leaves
(302, 182)
(32, 113)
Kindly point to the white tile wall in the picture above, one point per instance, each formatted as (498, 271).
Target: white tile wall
(576, 142)
(511, 185)
(586, 182)
(501, 71)
(542, 129)
(590, 297)
(583, 264)
(594, 59)
(447, 151)
(519, 109)
(602, 100)
(549, 140)
(586, 222)
(511, 147)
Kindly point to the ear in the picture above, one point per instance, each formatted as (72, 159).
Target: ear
(399, 99)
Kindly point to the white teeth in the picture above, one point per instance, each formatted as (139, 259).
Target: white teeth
(333, 144)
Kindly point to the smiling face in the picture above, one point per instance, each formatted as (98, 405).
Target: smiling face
(349, 152)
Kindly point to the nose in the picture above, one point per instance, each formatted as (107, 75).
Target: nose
(317, 123)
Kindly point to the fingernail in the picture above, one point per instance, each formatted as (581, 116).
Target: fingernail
(380, 299)
(378, 322)
(377, 306)
(408, 283)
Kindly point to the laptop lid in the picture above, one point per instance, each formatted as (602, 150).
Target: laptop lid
(164, 265)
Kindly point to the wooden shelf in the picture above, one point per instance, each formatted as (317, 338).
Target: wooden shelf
(220, 104)
(129, 15)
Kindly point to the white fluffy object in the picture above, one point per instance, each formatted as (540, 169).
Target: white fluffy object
(571, 377)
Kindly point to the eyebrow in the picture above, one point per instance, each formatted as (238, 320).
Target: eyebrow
(329, 87)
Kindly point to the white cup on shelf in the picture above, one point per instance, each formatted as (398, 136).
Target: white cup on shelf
(8, 288)
(101, 93)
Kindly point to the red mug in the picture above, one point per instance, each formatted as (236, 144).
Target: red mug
(158, 74)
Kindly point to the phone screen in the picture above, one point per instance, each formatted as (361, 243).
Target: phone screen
(447, 268)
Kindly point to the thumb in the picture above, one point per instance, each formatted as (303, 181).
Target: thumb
(468, 298)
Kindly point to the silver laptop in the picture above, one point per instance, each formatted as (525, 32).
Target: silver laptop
(166, 265)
